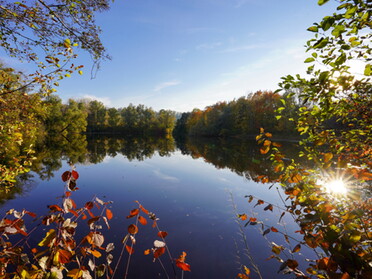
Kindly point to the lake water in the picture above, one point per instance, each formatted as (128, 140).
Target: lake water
(192, 188)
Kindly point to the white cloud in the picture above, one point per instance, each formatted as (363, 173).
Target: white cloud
(105, 100)
(240, 48)
(166, 84)
(208, 45)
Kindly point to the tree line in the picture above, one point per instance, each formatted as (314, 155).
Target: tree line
(241, 117)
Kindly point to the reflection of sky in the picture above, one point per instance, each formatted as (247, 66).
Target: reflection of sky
(192, 200)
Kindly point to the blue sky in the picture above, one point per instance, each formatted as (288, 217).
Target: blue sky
(185, 54)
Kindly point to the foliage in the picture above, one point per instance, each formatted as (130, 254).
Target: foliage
(59, 254)
(20, 116)
(335, 120)
(46, 33)
(241, 117)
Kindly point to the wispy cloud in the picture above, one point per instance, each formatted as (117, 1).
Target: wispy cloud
(208, 45)
(105, 100)
(240, 48)
(166, 84)
(240, 3)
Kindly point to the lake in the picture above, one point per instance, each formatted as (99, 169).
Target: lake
(196, 189)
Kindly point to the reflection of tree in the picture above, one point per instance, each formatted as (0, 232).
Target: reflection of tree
(240, 156)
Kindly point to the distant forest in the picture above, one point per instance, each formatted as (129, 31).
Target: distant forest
(241, 117)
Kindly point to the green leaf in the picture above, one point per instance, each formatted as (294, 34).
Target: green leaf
(313, 29)
(308, 60)
(322, 2)
(368, 70)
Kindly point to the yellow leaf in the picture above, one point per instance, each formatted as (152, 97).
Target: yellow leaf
(327, 157)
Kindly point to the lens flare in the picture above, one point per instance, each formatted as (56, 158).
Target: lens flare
(336, 186)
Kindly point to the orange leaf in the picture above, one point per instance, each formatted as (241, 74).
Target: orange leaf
(162, 234)
(154, 224)
(132, 229)
(327, 157)
(147, 252)
(243, 217)
(68, 194)
(133, 213)
(269, 135)
(33, 215)
(64, 256)
(274, 229)
(109, 214)
(129, 249)
(265, 150)
(183, 266)
(95, 253)
(142, 220)
(269, 207)
(142, 208)
(55, 207)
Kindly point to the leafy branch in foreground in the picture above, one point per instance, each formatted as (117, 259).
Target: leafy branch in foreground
(59, 254)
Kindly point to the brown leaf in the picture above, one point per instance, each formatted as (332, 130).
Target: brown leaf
(64, 256)
(132, 229)
(89, 205)
(293, 264)
(66, 176)
(297, 248)
(162, 234)
(269, 207)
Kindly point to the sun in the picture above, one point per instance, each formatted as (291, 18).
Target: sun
(337, 186)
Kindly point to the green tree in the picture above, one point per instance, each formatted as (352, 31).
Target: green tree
(335, 120)
(46, 33)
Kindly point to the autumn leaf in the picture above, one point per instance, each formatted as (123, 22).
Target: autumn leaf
(297, 248)
(133, 213)
(142, 220)
(158, 252)
(89, 205)
(327, 157)
(162, 234)
(132, 229)
(129, 249)
(109, 214)
(183, 266)
(274, 229)
(259, 202)
(64, 256)
(243, 217)
(269, 207)
(142, 208)
(66, 176)
(95, 253)
(75, 175)
(147, 252)
(55, 207)
(293, 264)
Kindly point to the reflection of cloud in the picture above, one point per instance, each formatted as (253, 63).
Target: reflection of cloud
(166, 84)
(105, 100)
(165, 177)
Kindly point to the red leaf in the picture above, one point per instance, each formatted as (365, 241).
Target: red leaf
(162, 234)
(129, 249)
(142, 208)
(158, 252)
(89, 205)
(68, 194)
(74, 212)
(274, 229)
(33, 215)
(75, 174)
(109, 214)
(183, 266)
(66, 176)
(142, 220)
(55, 207)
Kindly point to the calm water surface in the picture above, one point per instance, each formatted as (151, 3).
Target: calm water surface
(189, 188)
